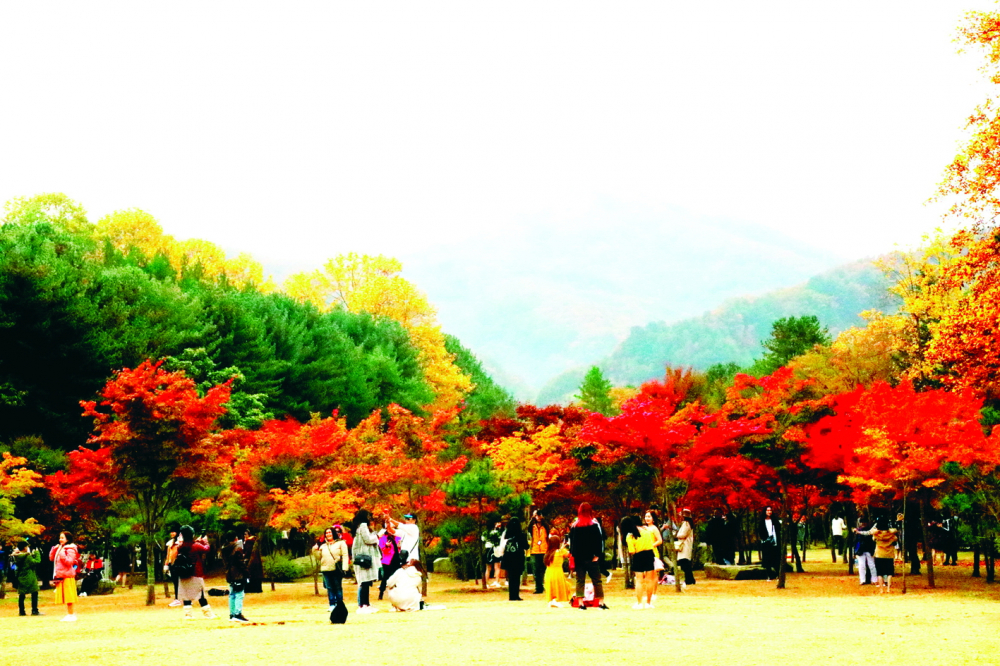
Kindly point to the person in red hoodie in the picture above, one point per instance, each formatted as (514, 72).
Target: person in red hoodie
(65, 558)
(190, 565)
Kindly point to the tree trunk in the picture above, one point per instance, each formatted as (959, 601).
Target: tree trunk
(783, 537)
(849, 538)
(975, 548)
(150, 570)
(927, 549)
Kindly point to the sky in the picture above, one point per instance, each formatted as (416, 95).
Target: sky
(298, 131)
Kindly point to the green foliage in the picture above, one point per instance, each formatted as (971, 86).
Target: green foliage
(280, 568)
(595, 393)
(790, 337)
(487, 399)
(244, 410)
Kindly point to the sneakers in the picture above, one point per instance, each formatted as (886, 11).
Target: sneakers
(82, 594)
(37, 612)
(364, 610)
(638, 606)
(175, 603)
(610, 573)
(238, 618)
(69, 618)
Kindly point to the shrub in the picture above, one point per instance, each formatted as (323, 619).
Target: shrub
(104, 587)
(280, 568)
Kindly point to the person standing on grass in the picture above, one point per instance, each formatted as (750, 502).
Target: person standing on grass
(586, 545)
(767, 533)
(27, 560)
(190, 562)
(539, 531)
(885, 552)
(255, 565)
(685, 535)
(172, 543)
(65, 558)
(639, 543)
(837, 527)
(556, 586)
(334, 559)
(235, 560)
(391, 558)
(492, 552)
(365, 547)
(865, 549)
(513, 557)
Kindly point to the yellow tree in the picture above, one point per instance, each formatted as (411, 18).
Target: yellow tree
(362, 283)
(133, 228)
(16, 480)
(53, 207)
(529, 463)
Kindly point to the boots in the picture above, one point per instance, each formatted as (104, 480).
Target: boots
(207, 612)
(187, 613)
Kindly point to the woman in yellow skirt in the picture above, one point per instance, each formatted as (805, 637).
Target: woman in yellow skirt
(556, 586)
(66, 560)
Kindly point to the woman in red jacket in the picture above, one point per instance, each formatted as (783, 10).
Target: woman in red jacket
(191, 571)
(66, 560)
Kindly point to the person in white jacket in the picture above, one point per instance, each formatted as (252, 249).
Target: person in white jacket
(403, 587)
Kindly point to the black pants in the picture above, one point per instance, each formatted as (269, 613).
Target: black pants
(34, 602)
(387, 571)
(685, 566)
(514, 584)
(538, 561)
(769, 558)
(176, 579)
(913, 555)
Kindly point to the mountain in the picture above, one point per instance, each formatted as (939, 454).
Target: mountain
(535, 299)
(733, 332)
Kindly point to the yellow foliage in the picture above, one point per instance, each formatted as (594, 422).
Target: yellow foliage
(126, 229)
(53, 207)
(362, 283)
(16, 480)
(529, 463)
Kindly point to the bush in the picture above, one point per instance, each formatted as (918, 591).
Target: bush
(281, 569)
(104, 587)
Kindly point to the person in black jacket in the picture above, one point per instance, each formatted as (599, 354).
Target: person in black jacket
(586, 545)
(515, 546)
(234, 557)
(767, 533)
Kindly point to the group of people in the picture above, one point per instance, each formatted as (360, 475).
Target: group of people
(67, 564)
(506, 548)
(389, 554)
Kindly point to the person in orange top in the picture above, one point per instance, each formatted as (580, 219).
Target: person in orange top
(539, 546)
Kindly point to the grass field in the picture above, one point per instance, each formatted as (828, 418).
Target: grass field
(822, 617)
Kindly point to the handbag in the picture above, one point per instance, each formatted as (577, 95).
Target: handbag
(678, 545)
(364, 560)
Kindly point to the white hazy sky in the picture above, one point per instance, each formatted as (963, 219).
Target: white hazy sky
(297, 131)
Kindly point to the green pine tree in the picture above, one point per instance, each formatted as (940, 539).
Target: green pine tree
(595, 393)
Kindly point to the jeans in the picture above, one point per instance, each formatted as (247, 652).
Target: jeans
(594, 570)
(363, 593)
(333, 582)
(235, 601)
(866, 565)
(538, 561)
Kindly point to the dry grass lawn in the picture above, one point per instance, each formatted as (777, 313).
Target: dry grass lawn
(822, 617)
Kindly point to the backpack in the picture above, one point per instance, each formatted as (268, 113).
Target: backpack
(339, 613)
(182, 566)
(513, 546)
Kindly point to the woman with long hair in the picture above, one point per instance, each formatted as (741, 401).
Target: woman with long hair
(404, 587)
(685, 535)
(366, 548)
(516, 544)
(586, 545)
(333, 562)
(556, 586)
(65, 558)
(639, 543)
(191, 571)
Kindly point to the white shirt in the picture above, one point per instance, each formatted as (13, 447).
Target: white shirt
(409, 539)
(838, 526)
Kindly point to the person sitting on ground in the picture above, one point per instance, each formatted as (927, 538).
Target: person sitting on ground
(403, 587)
(94, 570)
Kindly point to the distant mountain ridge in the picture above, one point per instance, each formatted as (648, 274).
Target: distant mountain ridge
(538, 298)
(733, 332)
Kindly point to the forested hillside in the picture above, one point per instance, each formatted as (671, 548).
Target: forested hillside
(733, 332)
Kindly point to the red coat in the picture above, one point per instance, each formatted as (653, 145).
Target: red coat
(196, 551)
